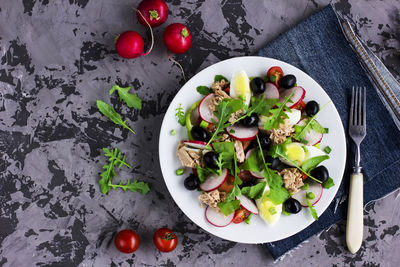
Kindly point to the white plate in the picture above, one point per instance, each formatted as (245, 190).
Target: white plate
(258, 231)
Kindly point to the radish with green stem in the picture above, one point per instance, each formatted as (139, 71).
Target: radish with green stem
(155, 12)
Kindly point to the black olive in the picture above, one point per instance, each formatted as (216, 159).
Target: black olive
(273, 161)
(192, 182)
(321, 173)
(292, 205)
(211, 159)
(288, 81)
(312, 108)
(265, 141)
(199, 133)
(250, 121)
(257, 85)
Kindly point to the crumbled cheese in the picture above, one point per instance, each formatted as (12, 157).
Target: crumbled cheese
(292, 179)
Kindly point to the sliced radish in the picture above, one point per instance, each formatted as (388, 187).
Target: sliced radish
(312, 137)
(294, 116)
(248, 204)
(297, 97)
(197, 144)
(214, 181)
(242, 133)
(258, 175)
(218, 219)
(315, 188)
(204, 109)
(271, 91)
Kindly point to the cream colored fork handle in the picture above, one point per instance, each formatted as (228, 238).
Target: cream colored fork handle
(355, 222)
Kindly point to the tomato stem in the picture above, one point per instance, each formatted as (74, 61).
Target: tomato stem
(151, 32)
(177, 63)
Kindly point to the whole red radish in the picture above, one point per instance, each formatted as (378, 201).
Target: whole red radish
(177, 38)
(154, 11)
(129, 45)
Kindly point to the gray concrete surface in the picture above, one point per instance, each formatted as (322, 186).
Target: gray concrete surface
(57, 58)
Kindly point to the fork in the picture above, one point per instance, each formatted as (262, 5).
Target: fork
(357, 132)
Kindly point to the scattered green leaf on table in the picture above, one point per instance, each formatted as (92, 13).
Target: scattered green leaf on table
(110, 113)
(131, 100)
(180, 114)
(134, 186)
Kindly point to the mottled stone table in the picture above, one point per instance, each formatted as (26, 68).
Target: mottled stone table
(57, 58)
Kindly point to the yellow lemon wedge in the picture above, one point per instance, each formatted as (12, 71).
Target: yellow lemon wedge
(240, 87)
(268, 211)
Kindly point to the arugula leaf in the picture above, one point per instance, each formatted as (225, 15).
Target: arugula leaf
(203, 173)
(131, 100)
(226, 150)
(313, 162)
(224, 110)
(277, 193)
(204, 90)
(227, 207)
(255, 191)
(233, 193)
(311, 124)
(236, 171)
(218, 78)
(180, 114)
(115, 159)
(258, 105)
(328, 184)
(252, 163)
(110, 113)
(313, 211)
(134, 186)
(247, 220)
(278, 114)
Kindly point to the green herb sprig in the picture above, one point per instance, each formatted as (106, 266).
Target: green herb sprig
(278, 114)
(180, 114)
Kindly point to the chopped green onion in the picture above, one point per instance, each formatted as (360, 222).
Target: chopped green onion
(327, 150)
(173, 132)
(310, 195)
(305, 186)
(284, 212)
(180, 171)
(247, 220)
(232, 131)
(318, 146)
(204, 124)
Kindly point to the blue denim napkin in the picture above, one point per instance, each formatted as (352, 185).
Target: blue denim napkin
(318, 47)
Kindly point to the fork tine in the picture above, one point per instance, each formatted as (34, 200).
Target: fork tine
(359, 106)
(365, 108)
(351, 121)
(356, 113)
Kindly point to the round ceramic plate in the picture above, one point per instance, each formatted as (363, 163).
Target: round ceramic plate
(257, 231)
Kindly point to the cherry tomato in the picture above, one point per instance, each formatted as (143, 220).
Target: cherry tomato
(300, 106)
(304, 176)
(127, 241)
(165, 240)
(228, 185)
(274, 74)
(240, 215)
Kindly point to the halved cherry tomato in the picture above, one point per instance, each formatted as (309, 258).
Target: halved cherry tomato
(274, 74)
(304, 176)
(240, 215)
(165, 240)
(228, 185)
(227, 90)
(300, 106)
(245, 176)
(127, 241)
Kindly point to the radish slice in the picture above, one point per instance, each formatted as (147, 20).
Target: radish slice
(197, 144)
(312, 137)
(218, 219)
(248, 204)
(204, 109)
(297, 97)
(242, 133)
(315, 188)
(258, 175)
(271, 91)
(214, 181)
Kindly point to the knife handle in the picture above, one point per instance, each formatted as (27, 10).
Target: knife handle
(355, 212)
